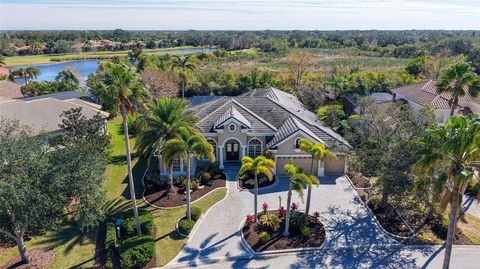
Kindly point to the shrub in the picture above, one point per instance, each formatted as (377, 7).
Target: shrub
(264, 237)
(316, 215)
(250, 219)
(185, 226)
(373, 202)
(205, 177)
(294, 206)
(440, 225)
(129, 227)
(269, 221)
(194, 185)
(110, 239)
(179, 181)
(305, 231)
(195, 213)
(298, 220)
(137, 251)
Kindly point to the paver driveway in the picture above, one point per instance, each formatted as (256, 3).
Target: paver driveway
(347, 222)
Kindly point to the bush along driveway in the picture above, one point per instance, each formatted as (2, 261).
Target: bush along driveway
(347, 222)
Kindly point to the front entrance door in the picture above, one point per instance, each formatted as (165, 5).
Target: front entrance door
(232, 149)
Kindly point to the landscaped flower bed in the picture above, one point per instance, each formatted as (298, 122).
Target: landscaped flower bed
(200, 185)
(267, 233)
(247, 181)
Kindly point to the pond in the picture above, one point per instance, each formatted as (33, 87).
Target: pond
(48, 72)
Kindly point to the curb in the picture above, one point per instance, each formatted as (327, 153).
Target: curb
(195, 227)
(174, 207)
(277, 181)
(254, 253)
(370, 212)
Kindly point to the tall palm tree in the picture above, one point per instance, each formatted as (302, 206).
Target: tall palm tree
(163, 121)
(68, 76)
(458, 80)
(258, 166)
(28, 72)
(184, 64)
(446, 165)
(120, 87)
(317, 152)
(188, 144)
(298, 181)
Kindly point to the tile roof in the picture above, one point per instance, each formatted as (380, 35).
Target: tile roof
(43, 115)
(232, 112)
(425, 94)
(267, 110)
(290, 127)
(10, 89)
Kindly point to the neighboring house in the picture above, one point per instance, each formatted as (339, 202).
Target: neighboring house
(10, 89)
(265, 122)
(425, 94)
(350, 101)
(42, 113)
(4, 73)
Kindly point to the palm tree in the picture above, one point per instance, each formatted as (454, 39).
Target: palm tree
(258, 166)
(29, 72)
(162, 122)
(446, 164)
(184, 64)
(298, 181)
(2, 61)
(68, 76)
(188, 144)
(317, 152)
(458, 80)
(120, 87)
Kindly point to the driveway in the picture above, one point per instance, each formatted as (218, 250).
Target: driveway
(348, 224)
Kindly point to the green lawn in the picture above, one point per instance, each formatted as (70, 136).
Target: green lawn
(74, 249)
(51, 58)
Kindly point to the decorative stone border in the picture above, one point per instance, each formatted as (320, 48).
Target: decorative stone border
(174, 207)
(273, 252)
(353, 185)
(237, 185)
(195, 227)
(413, 233)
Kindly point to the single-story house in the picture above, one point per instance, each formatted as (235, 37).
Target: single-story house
(425, 94)
(10, 89)
(265, 122)
(42, 113)
(350, 101)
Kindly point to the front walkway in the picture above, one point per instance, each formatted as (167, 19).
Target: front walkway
(348, 224)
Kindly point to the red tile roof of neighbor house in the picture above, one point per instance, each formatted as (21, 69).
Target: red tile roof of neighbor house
(425, 94)
(4, 71)
(10, 89)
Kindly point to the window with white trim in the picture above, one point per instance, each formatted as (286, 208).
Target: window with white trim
(176, 165)
(214, 145)
(254, 148)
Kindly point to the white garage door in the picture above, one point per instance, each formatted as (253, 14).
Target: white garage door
(303, 162)
(335, 166)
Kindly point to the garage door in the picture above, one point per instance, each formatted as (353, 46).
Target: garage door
(335, 166)
(303, 162)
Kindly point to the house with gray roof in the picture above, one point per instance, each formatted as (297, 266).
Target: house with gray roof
(424, 94)
(265, 122)
(10, 90)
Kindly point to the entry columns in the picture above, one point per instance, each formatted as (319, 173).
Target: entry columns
(220, 158)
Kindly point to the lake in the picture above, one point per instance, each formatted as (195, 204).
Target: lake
(48, 72)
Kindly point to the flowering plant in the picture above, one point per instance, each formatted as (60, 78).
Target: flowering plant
(281, 212)
(249, 218)
(265, 206)
(316, 214)
(294, 206)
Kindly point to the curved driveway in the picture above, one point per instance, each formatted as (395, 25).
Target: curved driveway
(348, 224)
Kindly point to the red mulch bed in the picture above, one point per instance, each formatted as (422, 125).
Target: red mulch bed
(39, 258)
(251, 233)
(178, 198)
(262, 184)
(359, 180)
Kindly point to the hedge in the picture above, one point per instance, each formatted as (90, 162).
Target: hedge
(129, 227)
(136, 251)
(195, 213)
(185, 226)
(110, 250)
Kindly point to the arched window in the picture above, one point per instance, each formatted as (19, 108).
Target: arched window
(254, 148)
(214, 145)
(297, 143)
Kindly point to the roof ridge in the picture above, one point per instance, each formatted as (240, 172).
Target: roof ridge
(215, 110)
(255, 115)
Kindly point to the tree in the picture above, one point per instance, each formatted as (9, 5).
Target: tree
(420, 67)
(135, 54)
(120, 87)
(69, 76)
(2, 61)
(298, 181)
(447, 156)
(317, 152)
(160, 83)
(184, 64)
(38, 185)
(29, 72)
(186, 145)
(163, 121)
(258, 166)
(298, 66)
(458, 80)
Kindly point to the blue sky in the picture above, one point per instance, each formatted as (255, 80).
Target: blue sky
(238, 15)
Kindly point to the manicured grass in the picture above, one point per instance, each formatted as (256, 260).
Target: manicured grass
(470, 226)
(52, 58)
(168, 243)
